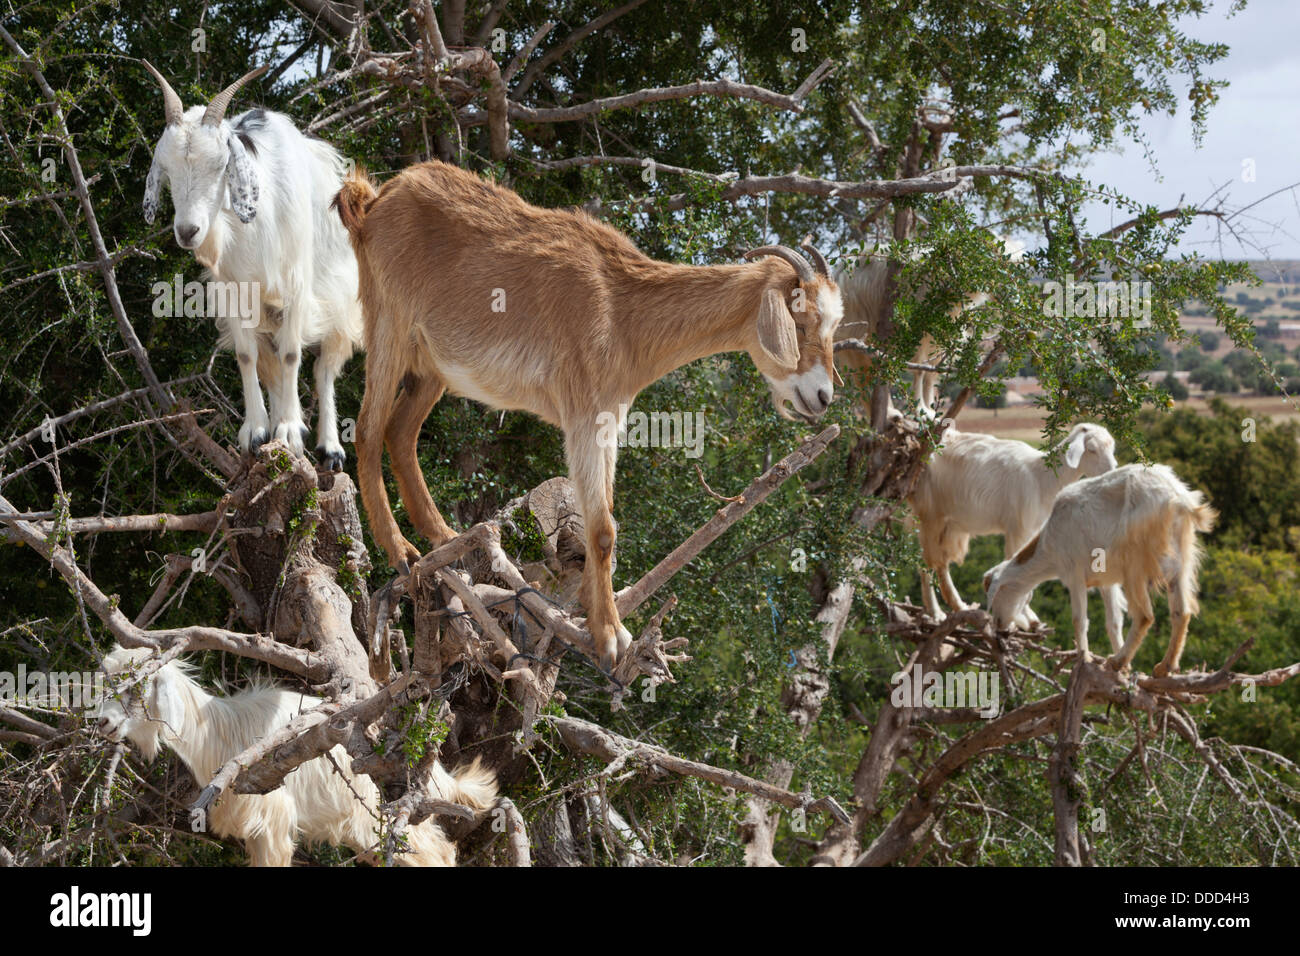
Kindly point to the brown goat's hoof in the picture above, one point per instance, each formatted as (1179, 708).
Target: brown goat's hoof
(1160, 670)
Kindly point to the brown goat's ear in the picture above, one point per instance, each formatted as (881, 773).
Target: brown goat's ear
(777, 334)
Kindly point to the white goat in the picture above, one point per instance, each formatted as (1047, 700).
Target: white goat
(315, 804)
(252, 200)
(865, 288)
(1134, 528)
(977, 484)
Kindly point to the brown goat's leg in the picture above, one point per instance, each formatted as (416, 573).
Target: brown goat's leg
(382, 377)
(588, 467)
(419, 395)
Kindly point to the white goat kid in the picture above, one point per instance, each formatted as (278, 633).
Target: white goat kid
(1134, 528)
(315, 804)
(251, 198)
(977, 484)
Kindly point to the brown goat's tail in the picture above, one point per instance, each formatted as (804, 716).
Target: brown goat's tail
(354, 200)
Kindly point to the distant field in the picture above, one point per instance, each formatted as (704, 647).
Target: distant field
(1277, 297)
(1027, 423)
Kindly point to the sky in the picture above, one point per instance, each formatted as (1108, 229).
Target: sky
(1257, 118)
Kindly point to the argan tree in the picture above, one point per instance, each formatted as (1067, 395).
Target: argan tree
(768, 572)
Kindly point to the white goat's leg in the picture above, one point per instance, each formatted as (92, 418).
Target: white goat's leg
(928, 598)
(1143, 617)
(1179, 618)
(1112, 596)
(269, 849)
(1026, 619)
(270, 373)
(1079, 611)
(256, 430)
(290, 428)
(949, 589)
(335, 350)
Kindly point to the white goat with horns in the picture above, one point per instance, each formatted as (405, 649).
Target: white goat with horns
(251, 198)
(315, 804)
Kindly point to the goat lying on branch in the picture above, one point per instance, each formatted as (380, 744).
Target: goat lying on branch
(252, 201)
(315, 804)
(464, 286)
(1134, 527)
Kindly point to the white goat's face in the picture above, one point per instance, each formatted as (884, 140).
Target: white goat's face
(795, 337)
(141, 712)
(1003, 603)
(1091, 449)
(204, 161)
(193, 159)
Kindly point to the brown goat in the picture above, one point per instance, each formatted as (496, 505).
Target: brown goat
(465, 287)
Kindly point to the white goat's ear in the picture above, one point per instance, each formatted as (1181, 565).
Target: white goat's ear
(168, 708)
(243, 181)
(1074, 453)
(777, 334)
(152, 187)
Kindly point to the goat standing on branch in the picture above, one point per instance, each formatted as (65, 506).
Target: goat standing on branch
(251, 198)
(466, 287)
(1133, 527)
(316, 803)
(979, 484)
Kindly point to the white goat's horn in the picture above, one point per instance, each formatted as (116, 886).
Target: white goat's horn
(818, 259)
(800, 264)
(216, 111)
(172, 108)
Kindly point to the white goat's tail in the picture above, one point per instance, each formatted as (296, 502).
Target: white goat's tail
(471, 785)
(1203, 515)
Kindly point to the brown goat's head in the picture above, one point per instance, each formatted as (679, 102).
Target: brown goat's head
(794, 343)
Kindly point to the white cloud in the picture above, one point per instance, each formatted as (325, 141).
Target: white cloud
(1257, 118)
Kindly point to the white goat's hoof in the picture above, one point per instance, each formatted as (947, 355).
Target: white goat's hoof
(252, 437)
(293, 435)
(624, 639)
(330, 459)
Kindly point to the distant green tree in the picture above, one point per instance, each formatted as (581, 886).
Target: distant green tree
(1247, 464)
(1174, 386)
(1214, 377)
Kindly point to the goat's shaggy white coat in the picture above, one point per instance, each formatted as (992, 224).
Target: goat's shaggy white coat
(978, 484)
(315, 804)
(251, 198)
(1135, 528)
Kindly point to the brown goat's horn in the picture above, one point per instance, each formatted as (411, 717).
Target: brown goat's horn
(800, 264)
(216, 111)
(172, 108)
(818, 259)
